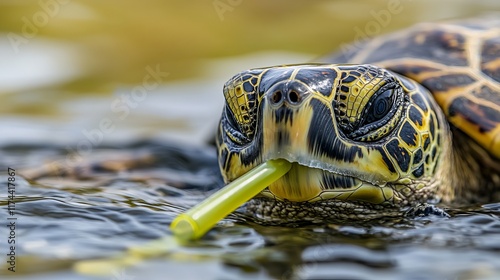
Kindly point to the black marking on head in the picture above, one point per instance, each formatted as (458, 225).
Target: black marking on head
(417, 156)
(400, 154)
(428, 159)
(386, 159)
(283, 138)
(447, 82)
(322, 138)
(408, 134)
(283, 115)
(250, 154)
(331, 182)
(426, 143)
(419, 101)
(489, 53)
(486, 118)
(320, 80)
(407, 84)
(419, 171)
(247, 86)
(350, 78)
(431, 126)
(415, 116)
(254, 81)
(225, 159)
(356, 74)
(245, 76)
(434, 153)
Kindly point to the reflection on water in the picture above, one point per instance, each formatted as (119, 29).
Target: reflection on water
(77, 83)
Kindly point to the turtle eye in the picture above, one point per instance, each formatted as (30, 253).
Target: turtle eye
(381, 115)
(381, 106)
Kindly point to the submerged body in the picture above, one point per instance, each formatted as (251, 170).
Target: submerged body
(395, 122)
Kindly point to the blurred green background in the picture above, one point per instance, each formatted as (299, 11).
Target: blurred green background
(63, 62)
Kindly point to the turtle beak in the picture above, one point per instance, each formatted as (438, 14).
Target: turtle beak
(286, 121)
(286, 118)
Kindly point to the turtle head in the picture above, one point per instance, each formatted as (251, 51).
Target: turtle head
(354, 133)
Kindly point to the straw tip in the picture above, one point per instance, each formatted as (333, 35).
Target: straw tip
(184, 227)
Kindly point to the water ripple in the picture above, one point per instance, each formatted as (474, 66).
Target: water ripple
(66, 219)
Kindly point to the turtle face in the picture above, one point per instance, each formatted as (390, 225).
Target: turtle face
(355, 133)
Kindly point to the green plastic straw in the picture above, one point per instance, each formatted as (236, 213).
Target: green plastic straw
(198, 220)
(195, 222)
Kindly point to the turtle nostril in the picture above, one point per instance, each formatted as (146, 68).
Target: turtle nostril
(276, 98)
(294, 97)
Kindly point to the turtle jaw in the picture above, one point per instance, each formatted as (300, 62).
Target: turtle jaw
(288, 201)
(305, 183)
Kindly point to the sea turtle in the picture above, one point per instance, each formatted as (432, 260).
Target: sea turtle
(385, 127)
